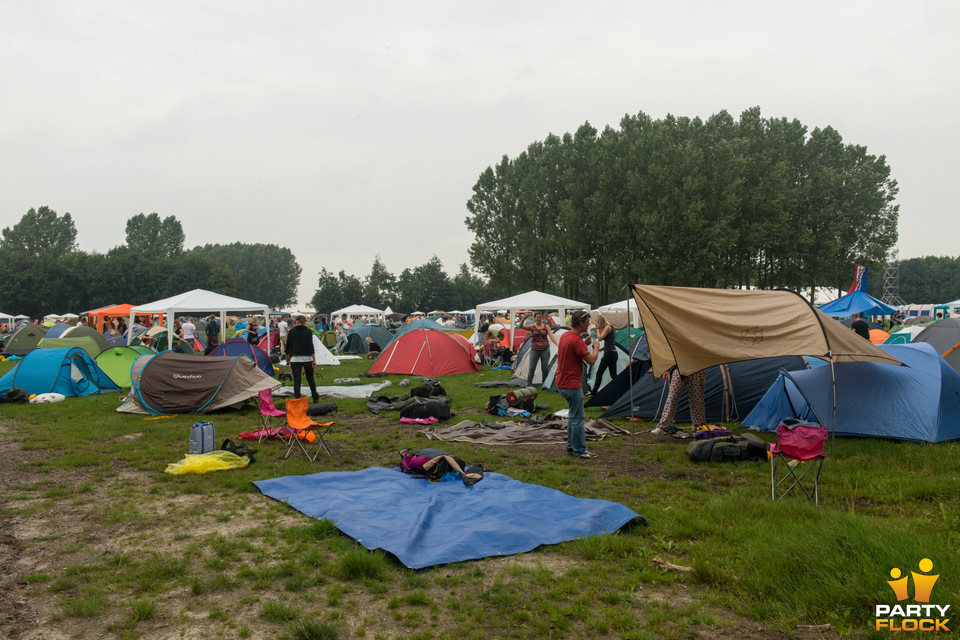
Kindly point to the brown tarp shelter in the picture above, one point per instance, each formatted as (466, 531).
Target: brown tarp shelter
(693, 328)
(178, 383)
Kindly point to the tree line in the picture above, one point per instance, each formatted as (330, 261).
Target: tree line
(926, 280)
(45, 272)
(754, 202)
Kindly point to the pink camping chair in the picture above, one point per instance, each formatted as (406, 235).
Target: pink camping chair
(797, 451)
(272, 420)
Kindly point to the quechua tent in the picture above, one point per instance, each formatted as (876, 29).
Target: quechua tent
(70, 372)
(177, 383)
(425, 352)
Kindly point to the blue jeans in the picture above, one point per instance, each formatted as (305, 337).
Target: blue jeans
(576, 436)
(543, 357)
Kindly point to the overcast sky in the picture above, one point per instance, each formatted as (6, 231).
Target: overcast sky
(349, 130)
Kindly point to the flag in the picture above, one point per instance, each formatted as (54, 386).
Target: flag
(859, 280)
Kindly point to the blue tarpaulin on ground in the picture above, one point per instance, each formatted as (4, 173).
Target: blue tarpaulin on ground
(424, 523)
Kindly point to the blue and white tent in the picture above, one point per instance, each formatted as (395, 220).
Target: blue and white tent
(919, 401)
(857, 302)
(71, 372)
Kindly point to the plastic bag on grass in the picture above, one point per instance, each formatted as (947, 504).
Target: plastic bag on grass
(207, 462)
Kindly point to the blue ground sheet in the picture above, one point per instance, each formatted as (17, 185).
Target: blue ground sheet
(427, 523)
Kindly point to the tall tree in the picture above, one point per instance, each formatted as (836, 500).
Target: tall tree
(266, 273)
(41, 233)
(153, 237)
(380, 287)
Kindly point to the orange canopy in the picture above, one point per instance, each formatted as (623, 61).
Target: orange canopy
(96, 316)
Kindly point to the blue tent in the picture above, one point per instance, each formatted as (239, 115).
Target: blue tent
(422, 323)
(238, 347)
(357, 337)
(70, 372)
(857, 302)
(919, 401)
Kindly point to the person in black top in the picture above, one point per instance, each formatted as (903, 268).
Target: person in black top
(608, 336)
(301, 356)
(861, 327)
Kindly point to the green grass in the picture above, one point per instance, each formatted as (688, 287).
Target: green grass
(211, 547)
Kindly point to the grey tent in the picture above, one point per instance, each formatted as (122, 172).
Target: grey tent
(172, 382)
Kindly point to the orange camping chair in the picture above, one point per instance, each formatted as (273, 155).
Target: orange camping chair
(304, 432)
(272, 420)
(797, 452)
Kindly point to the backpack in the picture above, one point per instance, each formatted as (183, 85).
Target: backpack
(733, 448)
(420, 410)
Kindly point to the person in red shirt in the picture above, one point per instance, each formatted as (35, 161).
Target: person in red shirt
(572, 353)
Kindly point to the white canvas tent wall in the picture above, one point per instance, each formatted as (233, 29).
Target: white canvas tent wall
(530, 301)
(196, 301)
(357, 310)
(624, 306)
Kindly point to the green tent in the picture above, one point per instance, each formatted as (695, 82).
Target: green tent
(86, 343)
(25, 339)
(116, 362)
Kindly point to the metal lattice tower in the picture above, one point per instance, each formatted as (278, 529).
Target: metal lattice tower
(891, 284)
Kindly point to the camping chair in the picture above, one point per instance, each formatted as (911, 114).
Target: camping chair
(272, 420)
(798, 450)
(300, 428)
(491, 357)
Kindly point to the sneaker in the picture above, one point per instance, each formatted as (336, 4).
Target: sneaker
(587, 454)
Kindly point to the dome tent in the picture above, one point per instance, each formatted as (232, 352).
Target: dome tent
(425, 352)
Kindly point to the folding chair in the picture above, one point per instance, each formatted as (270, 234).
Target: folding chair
(490, 357)
(300, 428)
(272, 420)
(797, 452)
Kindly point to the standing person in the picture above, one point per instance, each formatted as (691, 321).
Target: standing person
(678, 383)
(213, 334)
(301, 356)
(861, 327)
(282, 328)
(541, 337)
(608, 337)
(572, 353)
(253, 331)
(189, 331)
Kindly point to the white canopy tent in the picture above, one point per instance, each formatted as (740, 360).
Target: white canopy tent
(628, 307)
(356, 310)
(196, 301)
(530, 301)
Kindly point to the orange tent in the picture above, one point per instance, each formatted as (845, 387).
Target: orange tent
(95, 317)
(878, 336)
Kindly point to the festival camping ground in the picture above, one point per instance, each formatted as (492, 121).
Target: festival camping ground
(99, 542)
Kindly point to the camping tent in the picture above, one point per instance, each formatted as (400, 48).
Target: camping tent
(531, 301)
(116, 363)
(693, 329)
(425, 352)
(57, 330)
(86, 343)
(81, 331)
(357, 310)
(25, 339)
(197, 301)
(919, 402)
(944, 336)
(176, 383)
(237, 347)
(626, 308)
(420, 323)
(95, 316)
(70, 372)
(357, 337)
(730, 390)
(857, 302)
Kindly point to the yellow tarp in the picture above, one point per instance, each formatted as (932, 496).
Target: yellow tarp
(206, 462)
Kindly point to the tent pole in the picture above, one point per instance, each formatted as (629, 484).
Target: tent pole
(833, 386)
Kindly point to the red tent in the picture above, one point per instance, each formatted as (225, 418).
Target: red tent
(425, 352)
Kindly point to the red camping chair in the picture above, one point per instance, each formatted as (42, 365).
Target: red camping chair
(798, 450)
(272, 420)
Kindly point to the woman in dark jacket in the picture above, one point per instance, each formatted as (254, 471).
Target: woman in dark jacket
(301, 357)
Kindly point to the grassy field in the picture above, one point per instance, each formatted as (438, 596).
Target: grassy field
(97, 541)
